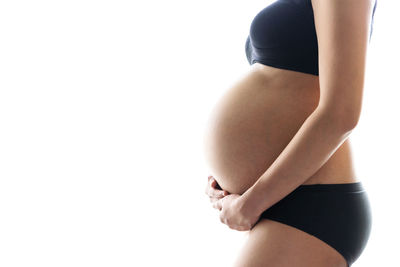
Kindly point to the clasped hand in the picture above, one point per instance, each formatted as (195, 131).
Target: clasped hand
(230, 206)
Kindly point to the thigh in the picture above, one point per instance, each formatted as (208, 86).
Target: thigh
(273, 244)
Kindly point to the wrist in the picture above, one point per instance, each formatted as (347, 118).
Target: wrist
(248, 205)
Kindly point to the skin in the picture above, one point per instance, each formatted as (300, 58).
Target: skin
(217, 195)
(342, 29)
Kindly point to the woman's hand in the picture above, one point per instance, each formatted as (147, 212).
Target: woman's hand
(233, 214)
(214, 191)
(230, 205)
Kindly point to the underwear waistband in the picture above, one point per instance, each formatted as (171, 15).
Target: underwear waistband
(346, 187)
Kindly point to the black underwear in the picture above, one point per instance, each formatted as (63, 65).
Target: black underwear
(338, 214)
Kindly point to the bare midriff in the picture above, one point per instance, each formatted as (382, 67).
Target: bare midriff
(256, 118)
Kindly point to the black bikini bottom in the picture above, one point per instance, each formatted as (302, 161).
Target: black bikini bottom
(338, 214)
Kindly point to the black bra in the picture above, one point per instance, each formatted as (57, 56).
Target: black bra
(283, 35)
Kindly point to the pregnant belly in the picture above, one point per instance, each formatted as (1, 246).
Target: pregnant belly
(251, 124)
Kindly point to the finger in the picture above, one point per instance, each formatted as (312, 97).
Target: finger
(212, 191)
(213, 199)
(217, 193)
(217, 205)
(213, 183)
(209, 184)
(241, 228)
(214, 205)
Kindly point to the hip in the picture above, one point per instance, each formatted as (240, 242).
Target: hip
(338, 214)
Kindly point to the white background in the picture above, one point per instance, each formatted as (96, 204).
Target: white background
(102, 110)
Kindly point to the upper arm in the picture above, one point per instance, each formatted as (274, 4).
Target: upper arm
(342, 28)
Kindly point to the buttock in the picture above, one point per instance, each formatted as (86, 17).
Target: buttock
(338, 214)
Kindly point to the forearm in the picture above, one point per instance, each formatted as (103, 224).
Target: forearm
(317, 139)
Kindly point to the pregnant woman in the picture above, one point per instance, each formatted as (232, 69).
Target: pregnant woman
(278, 144)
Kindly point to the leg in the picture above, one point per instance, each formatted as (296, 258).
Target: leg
(273, 244)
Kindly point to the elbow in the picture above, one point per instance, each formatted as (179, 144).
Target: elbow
(348, 122)
(344, 119)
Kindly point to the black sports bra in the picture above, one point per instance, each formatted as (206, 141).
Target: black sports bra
(283, 35)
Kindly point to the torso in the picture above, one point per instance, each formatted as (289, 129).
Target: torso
(253, 122)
